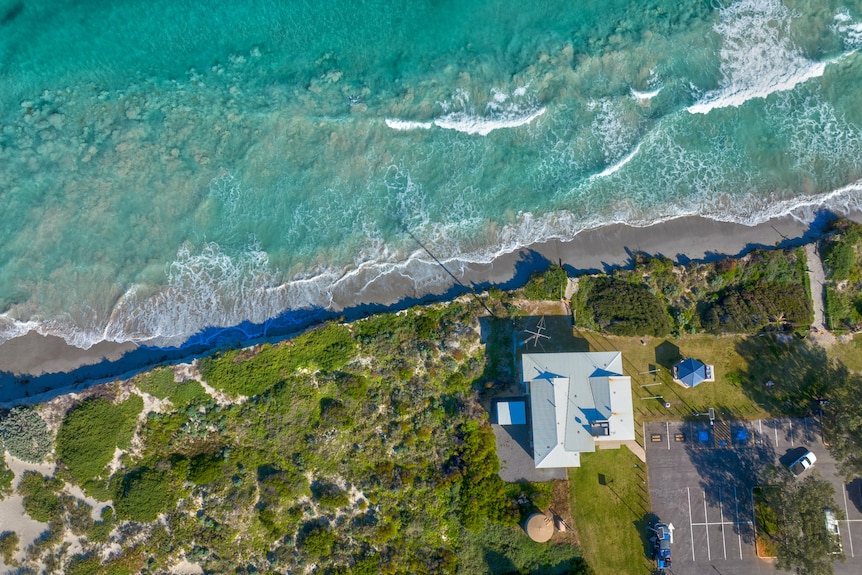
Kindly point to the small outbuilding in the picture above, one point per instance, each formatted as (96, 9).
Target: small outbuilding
(539, 527)
(692, 372)
(511, 413)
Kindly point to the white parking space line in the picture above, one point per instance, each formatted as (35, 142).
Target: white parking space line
(849, 535)
(708, 523)
(690, 524)
(760, 426)
(775, 429)
(790, 423)
(721, 512)
(706, 518)
(738, 534)
(667, 426)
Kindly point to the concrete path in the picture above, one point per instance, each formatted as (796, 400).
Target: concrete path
(817, 277)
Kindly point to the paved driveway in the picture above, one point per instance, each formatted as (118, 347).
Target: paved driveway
(701, 478)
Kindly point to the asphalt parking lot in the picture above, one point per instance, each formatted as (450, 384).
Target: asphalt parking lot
(701, 477)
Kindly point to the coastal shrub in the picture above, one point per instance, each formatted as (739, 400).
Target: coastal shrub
(745, 310)
(25, 434)
(499, 549)
(840, 252)
(41, 499)
(79, 515)
(8, 547)
(624, 308)
(325, 349)
(205, 468)
(90, 434)
(329, 495)
(317, 541)
(6, 475)
(547, 285)
(482, 494)
(144, 493)
(100, 530)
(160, 383)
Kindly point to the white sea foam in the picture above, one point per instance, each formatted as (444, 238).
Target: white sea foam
(467, 123)
(849, 30)
(470, 124)
(209, 288)
(757, 55)
(617, 166)
(643, 97)
(501, 111)
(404, 125)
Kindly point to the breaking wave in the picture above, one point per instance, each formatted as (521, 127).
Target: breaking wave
(757, 54)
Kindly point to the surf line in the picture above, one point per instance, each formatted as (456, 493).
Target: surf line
(470, 289)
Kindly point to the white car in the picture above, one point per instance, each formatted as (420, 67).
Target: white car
(803, 463)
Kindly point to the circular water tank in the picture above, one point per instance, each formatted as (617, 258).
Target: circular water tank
(539, 527)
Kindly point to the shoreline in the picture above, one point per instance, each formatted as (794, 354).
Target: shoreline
(35, 365)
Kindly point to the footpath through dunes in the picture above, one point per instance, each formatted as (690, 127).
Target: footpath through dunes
(817, 279)
(35, 368)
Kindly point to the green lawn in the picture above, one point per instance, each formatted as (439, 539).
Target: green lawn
(610, 502)
(848, 353)
(725, 394)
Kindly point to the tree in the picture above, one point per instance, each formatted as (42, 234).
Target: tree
(843, 421)
(803, 543)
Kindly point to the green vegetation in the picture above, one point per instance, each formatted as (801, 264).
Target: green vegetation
(324, 349)
(501, 550)
(842, 419)
(160, 383)
(41, 499)
(622, 308)
(25, 434)
(6, 474)
(364, 448)
(143, 493)
(8, 547)
(765, 521)
(100, 530)
(359, 448)
(793, 521)
(90, 434)
(609, 495)
(841, 260)
(547, 285)
(765, 290)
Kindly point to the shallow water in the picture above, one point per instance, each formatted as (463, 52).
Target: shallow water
(172, 165)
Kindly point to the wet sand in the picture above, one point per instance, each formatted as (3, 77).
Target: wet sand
(682, 239)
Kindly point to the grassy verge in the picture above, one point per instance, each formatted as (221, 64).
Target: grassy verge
(765, 523)
(610, 502)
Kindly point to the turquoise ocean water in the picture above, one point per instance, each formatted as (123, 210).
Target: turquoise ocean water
(170, 165)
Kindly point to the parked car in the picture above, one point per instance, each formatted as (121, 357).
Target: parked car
(803, 463)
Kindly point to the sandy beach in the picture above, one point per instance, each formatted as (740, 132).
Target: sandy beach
(682, 239)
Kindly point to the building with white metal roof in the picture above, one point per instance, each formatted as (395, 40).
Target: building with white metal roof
(577, 401)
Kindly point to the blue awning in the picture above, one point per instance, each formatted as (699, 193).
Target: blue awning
(691, 372)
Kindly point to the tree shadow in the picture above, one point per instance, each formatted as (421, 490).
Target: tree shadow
(786, 377)
(730, 460)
